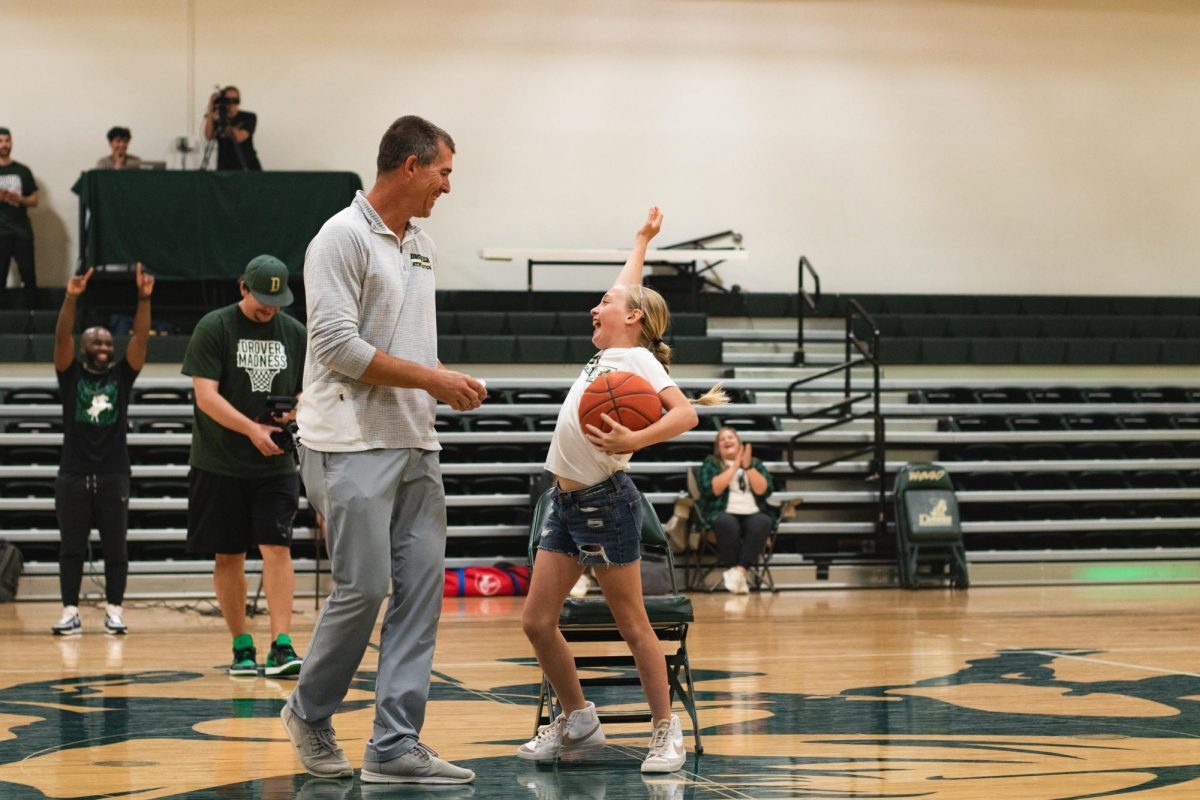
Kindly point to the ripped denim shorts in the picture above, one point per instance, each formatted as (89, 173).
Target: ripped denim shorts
(600, 524)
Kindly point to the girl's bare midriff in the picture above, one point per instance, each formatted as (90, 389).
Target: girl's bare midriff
(568, 485)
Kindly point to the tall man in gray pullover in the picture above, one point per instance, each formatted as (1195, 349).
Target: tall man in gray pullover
(369, 459)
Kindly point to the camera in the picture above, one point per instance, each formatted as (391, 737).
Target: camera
(278, 405)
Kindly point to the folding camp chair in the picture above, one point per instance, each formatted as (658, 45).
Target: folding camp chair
(702, 558)
(589, 619)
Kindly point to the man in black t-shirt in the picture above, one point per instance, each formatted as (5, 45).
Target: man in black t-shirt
(233, 129)
(92, 487)
(244, 485)
(18, 193)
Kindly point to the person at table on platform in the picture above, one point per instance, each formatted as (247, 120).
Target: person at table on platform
(120, 157)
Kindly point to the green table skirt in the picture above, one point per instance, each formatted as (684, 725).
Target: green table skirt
(192, 224)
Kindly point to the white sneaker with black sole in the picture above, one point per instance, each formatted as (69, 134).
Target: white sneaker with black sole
(69, 624)
(565, 736)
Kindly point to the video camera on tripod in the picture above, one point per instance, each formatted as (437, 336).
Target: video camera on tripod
(278, 405)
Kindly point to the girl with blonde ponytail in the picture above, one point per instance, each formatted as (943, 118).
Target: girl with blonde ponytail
(595, 518)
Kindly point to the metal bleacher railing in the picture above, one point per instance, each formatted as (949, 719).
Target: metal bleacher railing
(849, 409)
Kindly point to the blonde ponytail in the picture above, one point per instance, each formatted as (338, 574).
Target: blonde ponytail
(713, 397)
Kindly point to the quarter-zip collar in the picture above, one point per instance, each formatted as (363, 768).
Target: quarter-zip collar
(376, 222)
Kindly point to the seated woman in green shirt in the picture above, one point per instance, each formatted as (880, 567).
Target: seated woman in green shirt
(734, 487)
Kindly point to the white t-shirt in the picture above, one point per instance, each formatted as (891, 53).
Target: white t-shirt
(571, 455)
(740, 501)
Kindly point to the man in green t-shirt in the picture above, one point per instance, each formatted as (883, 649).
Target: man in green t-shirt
(244, 486)
(18, 193)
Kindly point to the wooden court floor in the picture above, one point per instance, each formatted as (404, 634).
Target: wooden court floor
(1062, 692)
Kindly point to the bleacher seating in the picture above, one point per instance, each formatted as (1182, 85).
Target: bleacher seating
(1100, 470)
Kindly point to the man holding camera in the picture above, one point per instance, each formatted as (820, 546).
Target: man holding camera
(233, 129)
(246, 362)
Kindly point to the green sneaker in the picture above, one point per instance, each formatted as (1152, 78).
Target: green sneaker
(245, 657)
(283, 661)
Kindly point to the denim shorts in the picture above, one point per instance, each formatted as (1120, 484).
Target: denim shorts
(601, 525)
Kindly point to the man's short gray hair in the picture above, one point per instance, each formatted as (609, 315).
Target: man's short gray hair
(410, 136)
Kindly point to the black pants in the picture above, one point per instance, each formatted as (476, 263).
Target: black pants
(83, 502)
(15, 247)
(741, 537)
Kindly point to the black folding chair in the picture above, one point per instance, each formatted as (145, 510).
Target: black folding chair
(928, 525)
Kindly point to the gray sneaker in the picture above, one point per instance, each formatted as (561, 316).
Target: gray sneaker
(419, 765)
(317, 747)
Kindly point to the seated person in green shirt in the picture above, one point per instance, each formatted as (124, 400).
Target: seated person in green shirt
(734, 487)
(244, 482)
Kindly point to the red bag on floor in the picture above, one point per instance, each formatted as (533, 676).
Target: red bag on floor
(486, 581)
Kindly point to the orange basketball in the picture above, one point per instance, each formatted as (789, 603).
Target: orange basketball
(627, 398)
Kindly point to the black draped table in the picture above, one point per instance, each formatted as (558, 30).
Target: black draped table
(199, 225)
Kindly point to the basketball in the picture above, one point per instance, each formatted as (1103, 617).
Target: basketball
(627, 398)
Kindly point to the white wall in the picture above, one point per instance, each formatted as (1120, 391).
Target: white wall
(929, 146)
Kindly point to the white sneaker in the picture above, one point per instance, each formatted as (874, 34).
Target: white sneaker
(582, 586)
(578, 733)
(666, 747)
(114, 620)
(731, 577)
(743, 584)
(68, 624)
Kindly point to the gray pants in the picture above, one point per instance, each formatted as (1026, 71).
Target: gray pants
(385, 513)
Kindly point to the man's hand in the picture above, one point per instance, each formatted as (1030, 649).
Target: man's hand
(145, 282)
(746, 456)
(618, 441)
(460, 392)
(652, 225)
(260, 437)
(212, 102)
(77, 284)
(10, 197)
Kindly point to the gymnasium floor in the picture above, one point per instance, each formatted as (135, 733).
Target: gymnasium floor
(1046, 692)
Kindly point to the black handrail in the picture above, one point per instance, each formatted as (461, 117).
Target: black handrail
(870, 352)
(805, 300)
(858, 353)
